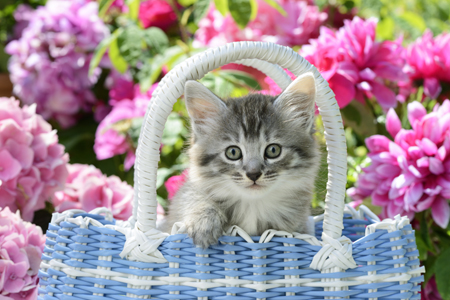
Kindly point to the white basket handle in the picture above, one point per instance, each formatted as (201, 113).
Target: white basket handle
(262, 56)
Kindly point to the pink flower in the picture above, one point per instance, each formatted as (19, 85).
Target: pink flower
(354, 64)
(174, 183)
(273, 88)
(411, 173)
(429, 61)
(49, 63)
(112, 136)
(32, 162)
(157, 13)
(430, 291)
(21, 247)
(87, 188)
(22, 15)
(301, 23)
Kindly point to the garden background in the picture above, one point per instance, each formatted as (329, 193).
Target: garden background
(82, 73)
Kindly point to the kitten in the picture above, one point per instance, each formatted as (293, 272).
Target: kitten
(253, 162)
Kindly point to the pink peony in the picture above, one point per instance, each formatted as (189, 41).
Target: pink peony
(21, 247)
(354, 64)
(111, 137)
(87, 188)
(50, 62)
(302, 22)
(174, 183)
(411, 173)
(32, 163)
(429, 61)
(157, 13)
(273, 88)
(430, 291)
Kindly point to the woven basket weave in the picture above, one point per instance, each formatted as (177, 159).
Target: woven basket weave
(352, 255)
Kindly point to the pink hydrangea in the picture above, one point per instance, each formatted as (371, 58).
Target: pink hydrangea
(32, 162)
(174, 183)
(412, 173)
(428, 60)
(355, 65)
(21, 247)
(22, 15)
(111, 137)
(157, 13)
(87, 188)
(302, 22)
(50, 62)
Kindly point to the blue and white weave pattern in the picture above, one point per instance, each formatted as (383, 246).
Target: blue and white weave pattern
(84, 263)
(91, 257)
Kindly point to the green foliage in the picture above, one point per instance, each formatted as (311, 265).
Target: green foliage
(241, 11)
(360, 118)
(156, 40)
(230, 83)
(443, 273)
(117, 60)
(222, 6)
(200, 9)
(103, 6)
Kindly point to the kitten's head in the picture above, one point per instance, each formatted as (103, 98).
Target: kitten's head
(253, 145)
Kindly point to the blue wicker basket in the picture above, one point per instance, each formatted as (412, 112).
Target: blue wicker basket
(353, 255)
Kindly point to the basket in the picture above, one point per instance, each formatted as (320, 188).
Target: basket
(352, 255)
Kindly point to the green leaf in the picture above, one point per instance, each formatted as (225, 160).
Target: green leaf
(360, 118)
(173, 129)
(162, 175)
(414, 20)
(99, 52)
(200, 9)
(116, 59)
(103, 7)
(133, 9)
(156, 39)
(166, 59)
(385, 29)
(241, 11)
(130, 44)
(424, 232)
(277, 6)
(254, 6)
(443, 273)
(186, 3)
(221, 6)
(242, 78)
(135, 129)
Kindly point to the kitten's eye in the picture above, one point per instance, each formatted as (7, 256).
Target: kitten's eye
(233, 153)
(273, 151)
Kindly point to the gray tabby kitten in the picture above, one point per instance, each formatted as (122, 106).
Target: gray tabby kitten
(253, 162)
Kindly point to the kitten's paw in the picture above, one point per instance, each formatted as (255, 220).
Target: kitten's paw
(204, 234)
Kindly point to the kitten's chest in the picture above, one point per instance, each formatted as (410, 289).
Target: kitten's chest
(257, 216)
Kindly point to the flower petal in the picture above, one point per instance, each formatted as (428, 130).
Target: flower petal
(432, 88)
(440, 212)
(393, 124)
(416, 111)
(343, 89)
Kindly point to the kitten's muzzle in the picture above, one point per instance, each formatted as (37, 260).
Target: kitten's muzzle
(254, 176)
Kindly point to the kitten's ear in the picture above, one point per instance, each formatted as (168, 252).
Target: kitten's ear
(297, 100)
(202, 105)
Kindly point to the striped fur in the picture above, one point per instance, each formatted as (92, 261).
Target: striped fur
(218, 192)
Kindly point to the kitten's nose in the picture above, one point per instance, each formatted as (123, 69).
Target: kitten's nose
(254, 176)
